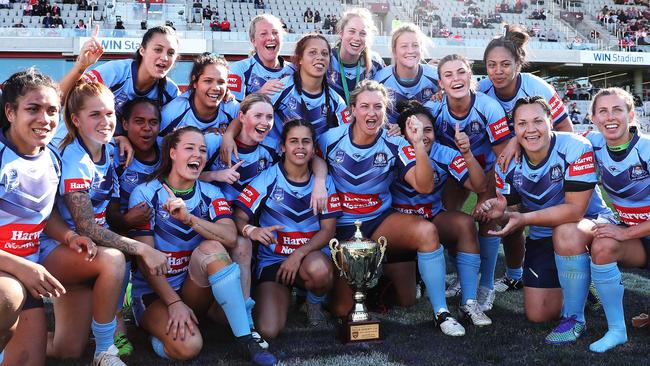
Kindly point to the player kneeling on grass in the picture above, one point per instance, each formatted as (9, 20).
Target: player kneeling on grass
(455, 228)
(292, 236)
(622, 154)
(554, 188)
(191, 223)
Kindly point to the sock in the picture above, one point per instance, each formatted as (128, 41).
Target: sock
(468, 266)
(312, 298)
(515, 273)
(300, 291)
(159, 348)
(103, 335)
(250, 304)
(607, 279)
(574, 274)
(226, 288)
(489, 252)
(432, 270)
(2, 356)
(125, 284)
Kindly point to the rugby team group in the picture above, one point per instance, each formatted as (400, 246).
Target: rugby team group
(217, 201)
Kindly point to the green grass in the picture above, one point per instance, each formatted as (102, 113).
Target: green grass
(411, 339)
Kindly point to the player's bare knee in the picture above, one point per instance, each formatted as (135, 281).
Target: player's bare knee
(209, 257)
(604, 251)
(185, 350)
(428, 236)
(567, 239)
(111, 259)
(12, 295)
(319, 274)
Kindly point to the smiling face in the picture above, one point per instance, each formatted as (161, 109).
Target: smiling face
(612, 117)
(502, 68)
(298, 147)
(159, 55)
(353, 38)
(95, 121)
(267, 41)
(142, 127)
(188, 157)
(533, 129)
(429, 136)
(407, 51)
(33, 119)
(315, 59)
(455, 79)
(210, 87)
(256, 123)
(368, 111)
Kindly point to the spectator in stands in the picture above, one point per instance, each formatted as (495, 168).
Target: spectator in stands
(207, 13)
(317, 17)
(327, 23)
(82, 5)
(4, 4)
(80, 25)
(27, 9)
(58, 22)
(395, 23)
(197, 9)
(334, 22)
(19, 24)
(308, 16)
(551, 36)
(48, 21)
(56, 10)
(259, 4)
(215, 24)
(225, 25)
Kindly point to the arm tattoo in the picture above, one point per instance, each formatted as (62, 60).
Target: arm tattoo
(81, 210)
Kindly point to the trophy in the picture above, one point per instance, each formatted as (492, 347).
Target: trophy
(359, 262)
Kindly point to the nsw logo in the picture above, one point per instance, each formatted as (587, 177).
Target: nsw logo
(638, 172)
(380, 160)
(556, 173)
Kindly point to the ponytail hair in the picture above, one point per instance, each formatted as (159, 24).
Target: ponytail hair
(514, 40)
(76, 101)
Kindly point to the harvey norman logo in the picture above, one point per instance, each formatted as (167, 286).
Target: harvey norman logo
(615, 58)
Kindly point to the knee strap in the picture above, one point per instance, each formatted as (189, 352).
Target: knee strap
(199, 261)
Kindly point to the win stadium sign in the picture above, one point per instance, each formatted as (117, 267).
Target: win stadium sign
(130, 45)
(615, 58)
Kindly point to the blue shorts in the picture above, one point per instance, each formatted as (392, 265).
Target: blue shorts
(32, 302)
(539, 264)
(46, 247)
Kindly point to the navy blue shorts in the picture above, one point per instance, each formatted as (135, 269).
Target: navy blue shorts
(32, 302)
(646, 244)
(539, 264)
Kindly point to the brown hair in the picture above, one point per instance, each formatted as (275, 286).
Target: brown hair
(464, 60)
(627, 98)
(19, 84)
(171, 141)
(514, 40)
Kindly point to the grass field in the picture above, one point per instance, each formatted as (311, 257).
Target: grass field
(411, 339)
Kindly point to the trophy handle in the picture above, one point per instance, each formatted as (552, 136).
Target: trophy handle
(383, 243)
(335, 248)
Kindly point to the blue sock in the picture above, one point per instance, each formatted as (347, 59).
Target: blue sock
(489, 252)
(468, 266)
(226, 288)
(125, 284)
(432, 271)
(250, 304)
(312, 298)
(574, 275)
(159, 348)
(607, 279)
(103, 335)
(515, 273)
(2, 356)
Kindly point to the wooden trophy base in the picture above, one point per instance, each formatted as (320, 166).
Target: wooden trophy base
(359, 332)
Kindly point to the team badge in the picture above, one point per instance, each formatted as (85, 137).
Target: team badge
(256, 83)
(334, 77)
(380, 160)
(261, 165)
(436, 178)
(391, 94)
(517, 179)
(637, 172)
(278, 194)
(293, 103)
(339, 156)
(475, 127)
(131, 177)
(97, 182)
(120, 100)
(444, 126)
(427, 93)
(12, 181)
(556, 173)
(162, 213)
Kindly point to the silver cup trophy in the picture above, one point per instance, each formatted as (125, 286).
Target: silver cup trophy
(359, 262)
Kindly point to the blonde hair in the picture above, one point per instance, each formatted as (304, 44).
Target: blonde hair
(365, 16)
(410, 28)
(368, 85)
(75, 101)
(252, 28)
